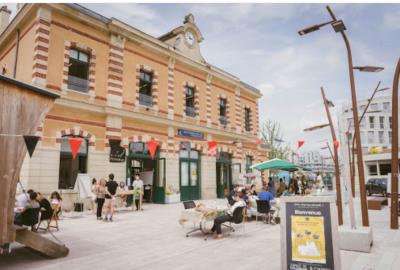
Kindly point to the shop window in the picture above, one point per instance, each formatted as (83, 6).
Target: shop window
(249, 163)
(385, 169)
(78, 71)
(372, 169)
(247, 119)
(222, 111)
(69, 167)
(189, 100)
(145, 85)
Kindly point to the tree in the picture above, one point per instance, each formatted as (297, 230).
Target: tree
(273, 136)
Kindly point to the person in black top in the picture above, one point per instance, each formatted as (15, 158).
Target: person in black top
(45, 207)
(111, 191)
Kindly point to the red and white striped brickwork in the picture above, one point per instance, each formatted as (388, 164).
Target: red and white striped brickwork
(115, 71)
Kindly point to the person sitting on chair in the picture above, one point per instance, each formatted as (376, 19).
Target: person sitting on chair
(238, 202)
(45, 207)
(31, 204)
(232, 194)
(265, 194)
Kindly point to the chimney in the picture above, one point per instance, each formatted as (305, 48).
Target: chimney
(4, 17)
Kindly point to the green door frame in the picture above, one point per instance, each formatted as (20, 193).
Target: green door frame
(228, 163)
(190, 187)
(158, 193)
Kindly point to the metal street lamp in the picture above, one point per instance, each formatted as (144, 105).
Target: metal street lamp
(339, 27)
(369, 68)
(394, 219)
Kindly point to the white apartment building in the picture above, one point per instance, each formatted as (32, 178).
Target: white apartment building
(376, 136)
(315, 161)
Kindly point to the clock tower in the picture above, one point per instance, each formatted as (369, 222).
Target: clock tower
(186, 39)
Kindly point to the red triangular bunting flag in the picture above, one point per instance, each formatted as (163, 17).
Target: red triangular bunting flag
(30, 142)
(75, 143)
(212, 148)
(336, 143)
(300, 144)
(152, 145)
(258, 141)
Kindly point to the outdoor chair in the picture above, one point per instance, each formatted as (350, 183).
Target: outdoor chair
(263, 209)
(189, 204)
(238, 219)
(52, 219)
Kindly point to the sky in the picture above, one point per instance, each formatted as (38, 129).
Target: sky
(259, 44)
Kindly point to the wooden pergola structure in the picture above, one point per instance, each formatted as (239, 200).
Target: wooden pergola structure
(23, 108)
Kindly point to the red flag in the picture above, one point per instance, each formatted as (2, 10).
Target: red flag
(258, 141)
(336, 143)
(75, 143)
(212, 148)
(152, 145)
(300, 144)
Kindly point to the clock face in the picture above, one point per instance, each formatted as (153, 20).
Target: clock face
(189, 38)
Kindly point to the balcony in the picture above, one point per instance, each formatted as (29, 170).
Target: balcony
(223, 120)
(145, 100)
(78, 84)
(190, 111)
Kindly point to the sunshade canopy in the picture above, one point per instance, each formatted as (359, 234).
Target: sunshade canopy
(278, 164)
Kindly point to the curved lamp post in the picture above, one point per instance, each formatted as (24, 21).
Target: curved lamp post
(339, 27)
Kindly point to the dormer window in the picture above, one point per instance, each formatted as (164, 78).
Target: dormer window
(145, 85)
(78, 71)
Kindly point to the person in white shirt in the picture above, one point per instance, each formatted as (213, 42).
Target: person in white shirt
(22, 199)
(228, 217)
(138, 186)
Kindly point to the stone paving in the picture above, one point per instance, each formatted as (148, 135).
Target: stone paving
(153, 239)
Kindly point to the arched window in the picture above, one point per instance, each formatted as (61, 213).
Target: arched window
(69, 167)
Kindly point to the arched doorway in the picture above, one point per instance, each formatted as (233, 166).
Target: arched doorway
(152, 171)
(189, 175)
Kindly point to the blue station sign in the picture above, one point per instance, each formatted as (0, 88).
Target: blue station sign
(190, 134)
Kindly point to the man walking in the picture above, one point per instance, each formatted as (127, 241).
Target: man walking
(111, 190)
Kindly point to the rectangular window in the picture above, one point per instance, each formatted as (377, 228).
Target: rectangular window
(78, 71)
(247, 119)
(386, 106)
(222, 111)
(371, 122)
(69, 167)
(381, 122)
(189, 97)
(372, 169)
(374, 107)
(390, 122)
(145, 85)
(390, 137)
(381, 137)
(370, 137)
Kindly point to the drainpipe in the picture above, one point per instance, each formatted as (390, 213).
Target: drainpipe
(16, 54)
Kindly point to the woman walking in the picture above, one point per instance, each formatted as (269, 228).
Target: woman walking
(100, 191)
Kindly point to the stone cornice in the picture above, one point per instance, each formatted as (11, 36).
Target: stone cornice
(147, 118)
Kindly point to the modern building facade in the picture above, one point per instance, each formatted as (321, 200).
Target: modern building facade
(315, 161)
(120, 84)
(376, 136)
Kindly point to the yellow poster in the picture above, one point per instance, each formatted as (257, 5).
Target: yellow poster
(308, 239)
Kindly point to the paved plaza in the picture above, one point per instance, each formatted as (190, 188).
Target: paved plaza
(153, 239)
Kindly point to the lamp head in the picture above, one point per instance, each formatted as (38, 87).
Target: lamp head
(309, 30)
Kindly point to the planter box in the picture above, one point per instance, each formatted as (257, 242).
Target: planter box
(174, 198)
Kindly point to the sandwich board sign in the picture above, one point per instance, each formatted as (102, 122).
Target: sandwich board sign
(309, 233)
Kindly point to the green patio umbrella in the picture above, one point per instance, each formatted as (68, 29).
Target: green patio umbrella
(276, 164)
